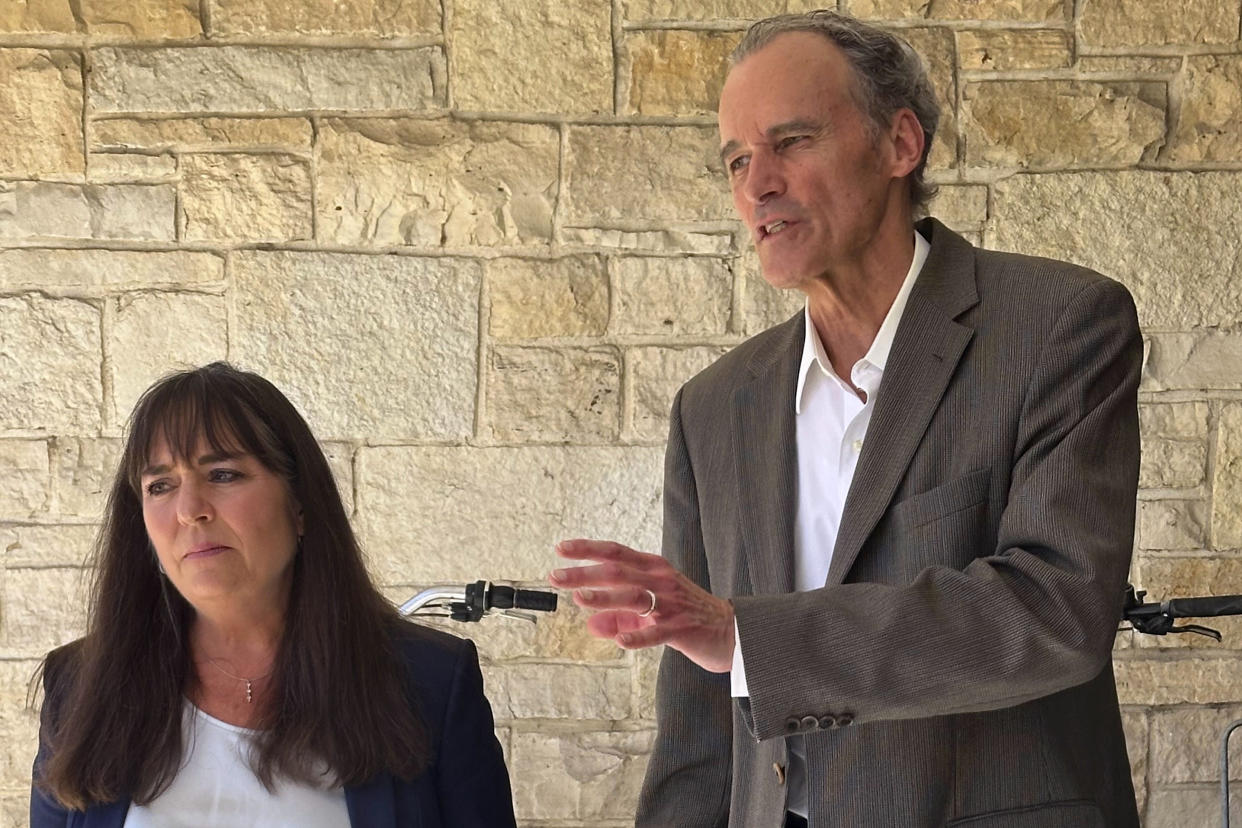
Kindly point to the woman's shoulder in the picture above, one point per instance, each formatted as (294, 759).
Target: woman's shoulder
(429, 648)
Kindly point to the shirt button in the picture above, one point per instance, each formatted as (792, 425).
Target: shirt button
(857, 444)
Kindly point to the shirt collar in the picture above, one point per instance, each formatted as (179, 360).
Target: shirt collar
(813, 353)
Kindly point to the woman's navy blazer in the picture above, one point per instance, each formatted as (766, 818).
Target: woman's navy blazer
(466, 785)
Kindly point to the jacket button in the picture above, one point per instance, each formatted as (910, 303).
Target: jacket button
(845, 719)
(809, 723)
(780, 772)
(826, 722)
(791, 724)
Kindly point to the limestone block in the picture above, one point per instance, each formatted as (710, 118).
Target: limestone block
(1137, 730)
(554, 56)
(648, 173)
(26, 472)
(1033, 11)
(38, 16)
(41, 546)
(589, 776)
(253, 79)
(1209, 124)
(43, 608)
(143, 19)
(1135, 23)
(40, 108)
(1184, 267)
(1129, 65)
(1177, 421)
(1200, 359)
(399, 334)
(558, 691)
(1062, 123)
(374, 18)
(128, 167)
(340, 458)
(49, 358)
(1180, 806)
(430, 183)
(553, 395)
(132, 211)
(638, 10)
(1167, 577)
(95, 270)
(672, 297)
(763, 305)
(936, 47)
(15, 803)
(1005, 49)
(670, 72)
(1227, 480)
(960, 206)
(196, 134)
(32, 208)
(1150, 679)
(1175, 464)
(647, 668)
(657, 374)
(659, 241)
(250, 197)
(1172, 524)
(1185, 744)
(19, 727)
(560, 635)
(145, 347)
(533, 298)
(83, 470)
(437, 514)
(95, 211)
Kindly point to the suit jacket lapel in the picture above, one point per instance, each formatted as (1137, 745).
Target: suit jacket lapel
(925, 353)
(766, 453)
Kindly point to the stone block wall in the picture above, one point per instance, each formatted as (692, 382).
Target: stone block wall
(481, 242)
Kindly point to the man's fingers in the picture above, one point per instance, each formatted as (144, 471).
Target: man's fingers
(611, 623)
(584, 549)
(634, 599)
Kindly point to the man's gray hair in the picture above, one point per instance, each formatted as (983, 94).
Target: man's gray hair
(889, 75)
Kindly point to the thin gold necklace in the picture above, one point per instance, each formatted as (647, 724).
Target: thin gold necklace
(214, 662)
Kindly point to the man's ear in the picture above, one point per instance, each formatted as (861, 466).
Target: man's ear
(907, 138)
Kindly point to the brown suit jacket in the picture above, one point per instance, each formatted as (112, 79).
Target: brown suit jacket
(955, 669)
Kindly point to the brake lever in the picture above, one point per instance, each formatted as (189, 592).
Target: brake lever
(1198, 629)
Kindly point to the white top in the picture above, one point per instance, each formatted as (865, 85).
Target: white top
(216, 788)
(831, 426)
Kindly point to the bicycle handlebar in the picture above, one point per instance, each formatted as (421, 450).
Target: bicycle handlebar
(472, 601)
(1157, 618)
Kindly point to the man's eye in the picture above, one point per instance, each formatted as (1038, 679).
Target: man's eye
(736, 165)
(789, 141)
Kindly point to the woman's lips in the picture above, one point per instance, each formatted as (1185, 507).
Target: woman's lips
(204, 552)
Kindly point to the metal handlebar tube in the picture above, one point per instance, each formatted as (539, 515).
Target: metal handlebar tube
(473, 601)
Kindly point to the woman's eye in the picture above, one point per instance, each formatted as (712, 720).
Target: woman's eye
(223, 475)
(157, 487)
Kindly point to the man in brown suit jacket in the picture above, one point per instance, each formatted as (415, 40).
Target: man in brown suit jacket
(954, 666)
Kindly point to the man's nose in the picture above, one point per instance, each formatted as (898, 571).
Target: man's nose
(192, 504)
(764, 179)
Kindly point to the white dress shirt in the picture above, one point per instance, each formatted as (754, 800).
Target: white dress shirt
(831, 424)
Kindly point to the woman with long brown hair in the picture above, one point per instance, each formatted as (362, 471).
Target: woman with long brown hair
(239, 667)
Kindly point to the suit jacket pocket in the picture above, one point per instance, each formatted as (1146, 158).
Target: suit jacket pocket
(1071, 814)
(942, 501)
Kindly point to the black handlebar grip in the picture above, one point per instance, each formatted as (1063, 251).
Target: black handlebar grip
(1207, 607)
(534, 599)
(504, 597)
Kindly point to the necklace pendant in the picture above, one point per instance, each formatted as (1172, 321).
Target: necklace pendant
(249, 694)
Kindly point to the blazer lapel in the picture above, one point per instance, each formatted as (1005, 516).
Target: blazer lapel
(766, 455)
(925, 353)
(372, 803)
